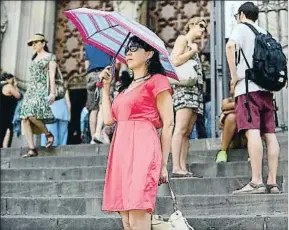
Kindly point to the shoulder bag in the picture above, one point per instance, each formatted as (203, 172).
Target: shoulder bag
(175, 222)
(186, 73)
(59, 88)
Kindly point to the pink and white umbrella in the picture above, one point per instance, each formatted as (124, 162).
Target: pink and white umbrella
(109, 31)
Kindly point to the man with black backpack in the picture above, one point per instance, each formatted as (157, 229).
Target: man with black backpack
(258, 69)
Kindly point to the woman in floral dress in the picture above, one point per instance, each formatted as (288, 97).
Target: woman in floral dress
(35, 111)
(138, 157)
(188, 100)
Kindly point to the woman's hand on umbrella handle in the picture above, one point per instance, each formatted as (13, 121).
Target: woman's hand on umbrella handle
(106, 77)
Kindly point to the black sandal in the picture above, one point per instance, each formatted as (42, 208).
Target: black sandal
(30, 153)
(49, 143)
(272, 189)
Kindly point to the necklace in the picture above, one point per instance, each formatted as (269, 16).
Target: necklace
(136, 85)
(140, 78)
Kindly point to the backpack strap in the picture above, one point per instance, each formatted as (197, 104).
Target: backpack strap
(275, 112)
(256, 32)
(247, 86)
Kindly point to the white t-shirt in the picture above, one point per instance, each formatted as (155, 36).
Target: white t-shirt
(244, 38)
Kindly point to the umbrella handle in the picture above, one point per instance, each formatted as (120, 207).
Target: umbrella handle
(114, 58)
(112, 64)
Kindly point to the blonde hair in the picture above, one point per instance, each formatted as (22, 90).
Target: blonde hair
(194, 21)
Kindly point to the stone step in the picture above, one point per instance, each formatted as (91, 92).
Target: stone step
(76, 188)
(98, 172)
(203, 145)
(190, 205)
(101, 160)
(232, 222)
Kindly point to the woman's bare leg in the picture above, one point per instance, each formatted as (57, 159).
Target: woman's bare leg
(6, 139)
(183, 118)
(27, 131)
(39, 124)
(229, 130)
(186, 142)
(92, 121)
(125, 220)
(139, 220)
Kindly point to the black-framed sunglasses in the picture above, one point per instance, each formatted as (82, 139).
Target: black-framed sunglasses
(202, 26)
(236, 16)
(132, 48)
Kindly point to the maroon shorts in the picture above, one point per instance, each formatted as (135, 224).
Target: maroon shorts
(262, 112)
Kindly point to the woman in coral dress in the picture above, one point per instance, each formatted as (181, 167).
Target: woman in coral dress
(137, 161)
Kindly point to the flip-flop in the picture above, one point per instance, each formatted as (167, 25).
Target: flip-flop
(194, 175)
(180, 175)
(30, 153)
(49, 143)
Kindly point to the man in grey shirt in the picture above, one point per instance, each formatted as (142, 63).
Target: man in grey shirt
(260, 101)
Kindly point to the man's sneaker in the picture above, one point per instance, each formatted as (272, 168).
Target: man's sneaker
(251, 188)
(221, 156)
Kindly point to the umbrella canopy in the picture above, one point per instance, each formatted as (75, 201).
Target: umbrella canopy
(108, 31)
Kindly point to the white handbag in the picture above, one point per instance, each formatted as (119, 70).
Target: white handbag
(186, 73)
(176, 221)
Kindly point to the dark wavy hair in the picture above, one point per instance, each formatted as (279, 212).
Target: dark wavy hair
(45, 47)
(154, 66)
(5, 76)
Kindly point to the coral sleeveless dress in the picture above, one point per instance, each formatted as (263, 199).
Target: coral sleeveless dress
(135, 157)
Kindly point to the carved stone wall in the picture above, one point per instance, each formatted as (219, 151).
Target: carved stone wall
(69, 46)
(168, 18)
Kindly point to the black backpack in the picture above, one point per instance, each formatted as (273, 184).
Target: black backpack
(269, 69)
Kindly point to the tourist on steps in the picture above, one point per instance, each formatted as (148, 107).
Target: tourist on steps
(138, 157)
(261, 103)
(230, 136)
(187, 100)
(9, 96)
(35, 110)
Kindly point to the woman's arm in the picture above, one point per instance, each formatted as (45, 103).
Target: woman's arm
(165, 108)
(52, 71)
(14, 91)
(179, 56)
(68, 102)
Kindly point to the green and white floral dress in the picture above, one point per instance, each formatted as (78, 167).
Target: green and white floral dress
(35, 101)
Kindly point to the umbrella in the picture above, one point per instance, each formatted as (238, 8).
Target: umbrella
(109, 32)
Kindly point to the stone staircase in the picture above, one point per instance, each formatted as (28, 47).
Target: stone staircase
(62, 189)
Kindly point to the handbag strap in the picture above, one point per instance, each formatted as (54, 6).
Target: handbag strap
(174, 199)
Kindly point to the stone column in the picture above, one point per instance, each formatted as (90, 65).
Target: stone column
(25, 18)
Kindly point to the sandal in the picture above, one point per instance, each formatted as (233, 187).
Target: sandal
(30, 153)
(180, 175)
(49, 143)
(272, 189)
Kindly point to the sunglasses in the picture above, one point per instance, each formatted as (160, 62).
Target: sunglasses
(133, 48)
(202, 26)
(236, 16)
(34, 42)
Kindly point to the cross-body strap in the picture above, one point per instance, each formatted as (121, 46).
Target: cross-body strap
(173, 197)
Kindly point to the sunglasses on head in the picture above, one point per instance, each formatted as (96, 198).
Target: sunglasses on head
(133, 47)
